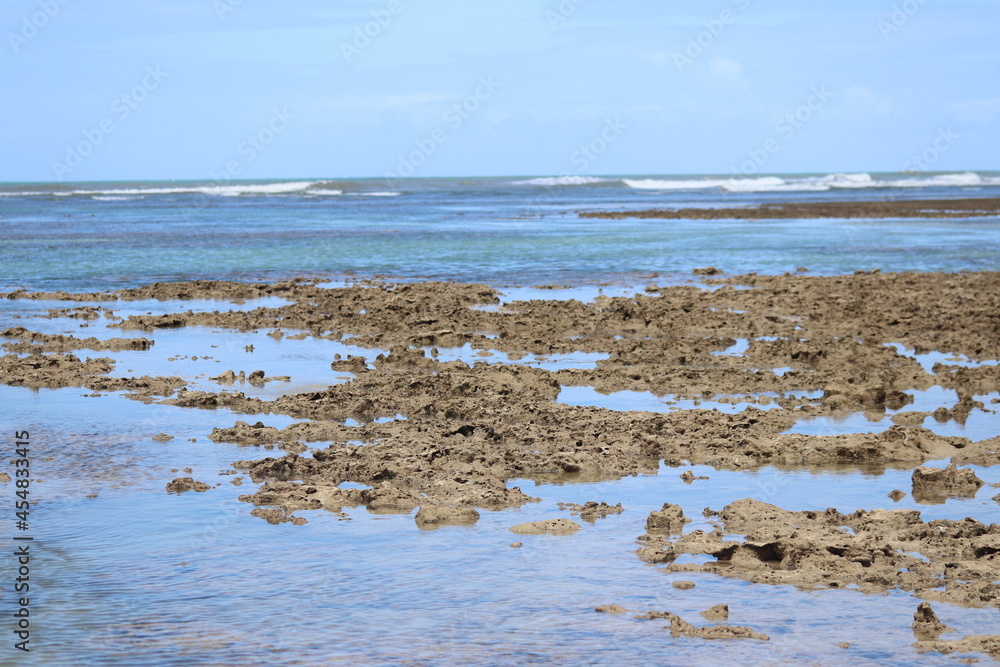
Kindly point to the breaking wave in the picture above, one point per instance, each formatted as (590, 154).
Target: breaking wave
(565, 180)
(813, 183)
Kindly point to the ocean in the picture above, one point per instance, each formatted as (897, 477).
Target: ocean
(503, 231)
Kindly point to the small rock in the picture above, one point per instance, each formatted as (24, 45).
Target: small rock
(926, 626)
(548, 527)
(844, 645)
(933, 485)
(592, 510)
(611, 609)
(433, 516)
(163, 437)
(707, 271)
(515, 545)
(275, 516)
(227, 377)
(683, 585)
(719, 612)
(896, 495)
(4, 477)
(688, 476)
(670, 518)
(295, 447)
(181, 484)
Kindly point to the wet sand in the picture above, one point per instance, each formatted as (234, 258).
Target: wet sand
(448, 437)
(875, 208)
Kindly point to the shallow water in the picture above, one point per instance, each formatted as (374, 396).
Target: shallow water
(497, 230)
(549, 362)
(137, 576)
(650, 402)
(134, 575)
(978, 425)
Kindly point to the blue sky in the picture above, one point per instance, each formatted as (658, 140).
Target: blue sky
(215, 89)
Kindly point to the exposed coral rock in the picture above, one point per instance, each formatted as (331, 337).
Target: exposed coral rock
(592, 510)
(181, 484)
(719, 612)
(670, 519)
(547, 527)
(681, 628)
(877, 550)
(432, 516)
(933, 485)
(926, 625)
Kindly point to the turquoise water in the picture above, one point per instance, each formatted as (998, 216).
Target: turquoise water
(504, 231)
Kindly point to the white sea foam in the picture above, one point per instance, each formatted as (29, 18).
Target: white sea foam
(762, 184)
(563, 180)
(234, 190)
(118, 197)
(813, 183)
(685, 184)
(968, 179)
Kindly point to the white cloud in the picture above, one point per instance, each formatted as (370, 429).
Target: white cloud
(863, 101)
(984, 110)
(727, 69)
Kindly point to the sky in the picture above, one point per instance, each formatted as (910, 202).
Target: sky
(247, 89)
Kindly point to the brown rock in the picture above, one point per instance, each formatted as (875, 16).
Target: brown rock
(610, 609)
(926, 626)
(182, 484)
(592, 510)
(688, 476)
(988, 644)
(834, 550)
(433, 516)
(719, 612)
(670, 519)
(681, 628)
(275, 516)
(547, 527)
(933, 485)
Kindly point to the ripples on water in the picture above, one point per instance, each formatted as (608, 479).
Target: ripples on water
(134, 575)
(478, 230)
